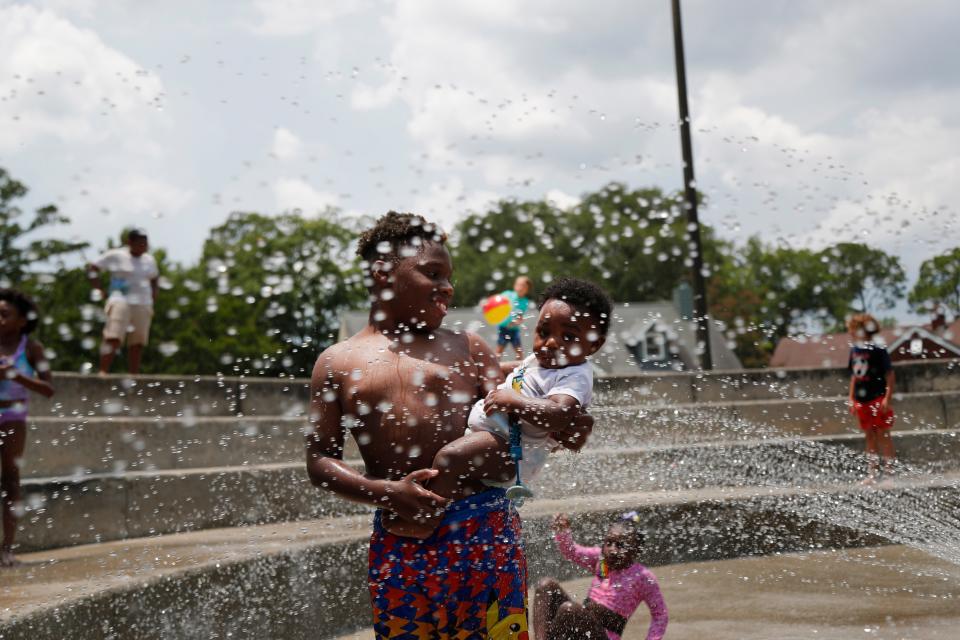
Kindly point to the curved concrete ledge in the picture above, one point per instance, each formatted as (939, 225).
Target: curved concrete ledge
(304, 580)
(828, 595)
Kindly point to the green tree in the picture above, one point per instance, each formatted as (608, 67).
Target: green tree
(264, 298)
(633, 241)
(20, 256)
(742, 307)
(939, 283)
(764, 292)
(861, 279)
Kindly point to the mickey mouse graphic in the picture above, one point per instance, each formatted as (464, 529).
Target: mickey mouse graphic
(860, 366)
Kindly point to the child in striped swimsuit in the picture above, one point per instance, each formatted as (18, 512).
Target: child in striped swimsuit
(23, 368)
(620, 584)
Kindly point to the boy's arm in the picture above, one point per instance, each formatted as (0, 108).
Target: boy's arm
(850, 395)
(888, 396)
(326, 467)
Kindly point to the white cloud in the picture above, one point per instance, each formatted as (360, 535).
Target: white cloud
(447, 202)
(286, 145)
(63, 82)
(101, 209)
(810, 123)
(79, 8)
(784, 136)
(560, 199)
(299, 17)
(293, 193)
(497, 88)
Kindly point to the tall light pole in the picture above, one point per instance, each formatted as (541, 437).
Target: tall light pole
(690, 198)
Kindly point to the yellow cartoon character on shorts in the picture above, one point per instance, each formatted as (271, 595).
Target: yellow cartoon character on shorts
(513, 627)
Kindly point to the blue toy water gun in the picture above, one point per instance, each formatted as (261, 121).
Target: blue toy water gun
(518, 492)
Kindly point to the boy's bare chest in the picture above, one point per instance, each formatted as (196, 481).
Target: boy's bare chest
(398, 384)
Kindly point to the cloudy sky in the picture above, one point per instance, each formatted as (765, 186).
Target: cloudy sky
(813, 121)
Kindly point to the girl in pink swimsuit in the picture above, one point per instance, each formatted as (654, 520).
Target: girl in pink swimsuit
(620, 584)
(23, 368)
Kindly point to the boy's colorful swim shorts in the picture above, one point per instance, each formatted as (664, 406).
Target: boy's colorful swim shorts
(466, 581)
(871, 416)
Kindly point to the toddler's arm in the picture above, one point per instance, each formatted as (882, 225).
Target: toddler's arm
(554, 413)
(586, 557)
(650, 593)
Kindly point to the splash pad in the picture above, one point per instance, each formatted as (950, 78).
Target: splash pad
(720, 467)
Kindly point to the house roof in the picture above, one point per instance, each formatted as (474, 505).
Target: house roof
(923, 333)
(833, 349)
(630, 322)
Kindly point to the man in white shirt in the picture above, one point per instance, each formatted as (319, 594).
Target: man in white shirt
(130, 297)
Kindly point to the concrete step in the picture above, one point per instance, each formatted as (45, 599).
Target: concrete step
(164, 395)
(308, 579)
(86, 395)
(747, 419)
(81, 446)
(765, 384)
(112, 444)
(100, 507)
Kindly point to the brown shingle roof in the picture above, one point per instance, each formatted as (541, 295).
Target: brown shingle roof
(832, 349)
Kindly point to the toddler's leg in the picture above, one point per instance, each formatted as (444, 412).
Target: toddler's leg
(547, 599)
(573, 622)
(479, 455)
(476, 456)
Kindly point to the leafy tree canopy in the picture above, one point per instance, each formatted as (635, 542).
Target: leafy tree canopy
(19, 253)
(267, 292)
(939, 283)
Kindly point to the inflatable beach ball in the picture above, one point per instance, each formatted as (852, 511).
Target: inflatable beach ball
(496, 309)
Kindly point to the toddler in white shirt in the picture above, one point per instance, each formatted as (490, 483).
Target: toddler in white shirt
(546, 394)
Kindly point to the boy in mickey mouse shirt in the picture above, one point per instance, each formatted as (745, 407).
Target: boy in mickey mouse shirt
(871, 393)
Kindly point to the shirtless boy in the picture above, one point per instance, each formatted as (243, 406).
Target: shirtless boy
(404, 388)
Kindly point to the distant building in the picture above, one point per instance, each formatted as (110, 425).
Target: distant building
(933, 341)
(644, 336)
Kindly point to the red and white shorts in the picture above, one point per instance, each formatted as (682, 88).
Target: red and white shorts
(871, 416)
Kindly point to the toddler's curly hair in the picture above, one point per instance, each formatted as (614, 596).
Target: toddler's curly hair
(584, 295)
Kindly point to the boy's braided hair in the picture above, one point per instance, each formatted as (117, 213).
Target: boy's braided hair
(393, 231)
(25, 305)
(584, 295)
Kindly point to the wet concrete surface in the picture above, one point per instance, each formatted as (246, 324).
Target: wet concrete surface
(891, 593)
